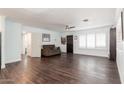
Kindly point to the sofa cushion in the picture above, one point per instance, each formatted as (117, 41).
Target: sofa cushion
(49, 50)
(48, 46)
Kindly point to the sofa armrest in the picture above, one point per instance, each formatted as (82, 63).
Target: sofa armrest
(58, 48)
(41, 52)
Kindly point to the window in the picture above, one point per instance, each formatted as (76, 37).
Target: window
(90, 40)
(82, 41)
(100, 40)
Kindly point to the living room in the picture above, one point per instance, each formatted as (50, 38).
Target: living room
(82, 38)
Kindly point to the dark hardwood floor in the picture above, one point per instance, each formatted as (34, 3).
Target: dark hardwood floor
(62, 69)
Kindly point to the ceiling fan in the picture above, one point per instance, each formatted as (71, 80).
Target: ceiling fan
(67, 27)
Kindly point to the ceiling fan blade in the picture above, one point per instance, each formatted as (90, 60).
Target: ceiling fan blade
(69, 27)
(66, 27)
(72, 27)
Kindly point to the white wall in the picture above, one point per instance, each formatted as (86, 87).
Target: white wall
(36, 39)
(12, 41)
(2, 30)
(55, 36)
(35, 45)
(95, 52)
(120, 46)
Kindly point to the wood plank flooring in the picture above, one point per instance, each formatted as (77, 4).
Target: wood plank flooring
(62, 69)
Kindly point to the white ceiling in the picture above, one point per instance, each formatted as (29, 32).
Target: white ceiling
(58, 18)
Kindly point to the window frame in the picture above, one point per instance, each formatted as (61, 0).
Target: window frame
(97, 48)
(105, 41)
(85, 41)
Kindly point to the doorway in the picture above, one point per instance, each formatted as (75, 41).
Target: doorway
(113, 44)
(70, 44)
(26, 43)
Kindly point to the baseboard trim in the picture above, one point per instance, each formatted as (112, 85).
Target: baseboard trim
(120, 74)
(13, 61)
(92, 55)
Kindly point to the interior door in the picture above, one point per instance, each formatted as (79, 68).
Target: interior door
(113, 44)
(70, 44)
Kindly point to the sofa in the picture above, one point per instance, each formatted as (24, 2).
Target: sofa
(50, 50)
